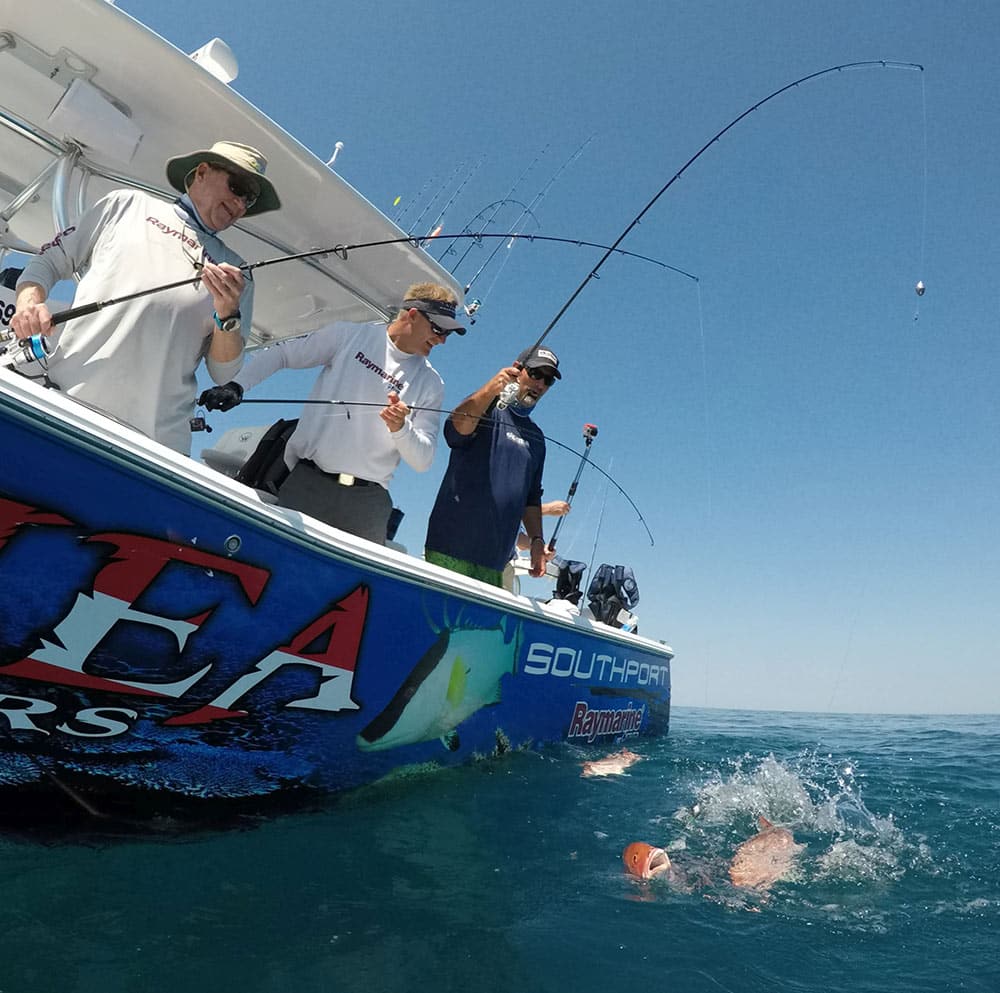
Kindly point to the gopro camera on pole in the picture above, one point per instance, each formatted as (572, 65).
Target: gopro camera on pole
(589, 434)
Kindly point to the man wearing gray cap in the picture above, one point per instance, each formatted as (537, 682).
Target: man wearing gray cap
(137, 360)
(493, 482)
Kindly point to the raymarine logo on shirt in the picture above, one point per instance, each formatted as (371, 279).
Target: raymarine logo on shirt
(56, 240)
(179, 233)
(396, 384)
(517, 439)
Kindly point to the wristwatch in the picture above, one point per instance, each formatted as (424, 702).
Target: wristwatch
(227, 323)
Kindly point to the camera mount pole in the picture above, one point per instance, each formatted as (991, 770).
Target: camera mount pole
(589, 434)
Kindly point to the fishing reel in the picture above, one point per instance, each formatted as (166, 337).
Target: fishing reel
(589, 432)
(29, 356)
(507, 396)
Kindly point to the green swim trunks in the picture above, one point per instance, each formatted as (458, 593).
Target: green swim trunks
(481, 572)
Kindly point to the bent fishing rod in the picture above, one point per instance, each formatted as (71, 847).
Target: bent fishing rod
(609, 250)
(882, 64)
(342, 252)
(487, 418)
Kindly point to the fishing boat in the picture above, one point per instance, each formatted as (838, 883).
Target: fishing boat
(171, 640)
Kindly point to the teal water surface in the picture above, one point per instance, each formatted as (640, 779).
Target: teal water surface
(507, 875)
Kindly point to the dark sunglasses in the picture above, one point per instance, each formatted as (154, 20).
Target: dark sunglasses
(439, 331)
(543, 376)
(241, 187)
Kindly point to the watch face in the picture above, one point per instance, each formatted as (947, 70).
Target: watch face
(231, 324)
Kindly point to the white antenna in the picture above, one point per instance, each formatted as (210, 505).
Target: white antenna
(337, 149)
(217, 58)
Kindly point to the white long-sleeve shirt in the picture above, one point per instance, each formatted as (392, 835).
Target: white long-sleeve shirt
(137, 360)
(359, 363)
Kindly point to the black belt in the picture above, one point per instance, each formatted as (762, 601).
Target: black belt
(344, 478)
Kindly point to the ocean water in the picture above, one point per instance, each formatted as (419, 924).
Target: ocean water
(506, 875)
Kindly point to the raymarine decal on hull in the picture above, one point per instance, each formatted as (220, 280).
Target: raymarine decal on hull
(589, 724)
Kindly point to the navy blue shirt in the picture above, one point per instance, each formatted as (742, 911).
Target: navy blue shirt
(492, 475)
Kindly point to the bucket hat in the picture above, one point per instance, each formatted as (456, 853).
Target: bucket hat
(230, 155)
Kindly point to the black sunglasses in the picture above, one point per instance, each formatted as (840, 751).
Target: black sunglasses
(439, 331)
(241, 187)
(545, 377)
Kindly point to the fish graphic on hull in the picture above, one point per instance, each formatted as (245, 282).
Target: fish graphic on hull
(457, 676)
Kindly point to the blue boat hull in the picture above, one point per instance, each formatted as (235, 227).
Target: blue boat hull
(162, 636)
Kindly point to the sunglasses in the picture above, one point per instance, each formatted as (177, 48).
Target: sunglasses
(545, 377)
(439, 331)
(241, 187)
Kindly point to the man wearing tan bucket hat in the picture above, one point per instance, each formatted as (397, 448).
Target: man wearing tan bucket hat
(137, 360)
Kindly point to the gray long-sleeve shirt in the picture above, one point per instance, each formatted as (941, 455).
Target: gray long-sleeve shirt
(137, 360)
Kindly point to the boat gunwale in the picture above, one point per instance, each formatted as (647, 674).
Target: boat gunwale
(71, 422)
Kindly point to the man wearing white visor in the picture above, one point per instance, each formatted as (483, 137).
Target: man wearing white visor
(385, 406)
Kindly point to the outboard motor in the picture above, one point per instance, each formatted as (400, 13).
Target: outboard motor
(612, 590)
(568, 581)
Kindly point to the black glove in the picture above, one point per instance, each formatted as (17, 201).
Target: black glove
(222, 397)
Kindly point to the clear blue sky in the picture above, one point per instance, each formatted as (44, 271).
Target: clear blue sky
(818, 463)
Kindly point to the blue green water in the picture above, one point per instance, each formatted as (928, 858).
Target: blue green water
(506, 875)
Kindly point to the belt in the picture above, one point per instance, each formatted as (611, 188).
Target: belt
(344, 478)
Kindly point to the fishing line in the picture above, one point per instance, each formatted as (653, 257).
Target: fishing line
(923, 221)
(694, 158)
(583, 521)
(441, 410)
(600, 524)
(705, 404)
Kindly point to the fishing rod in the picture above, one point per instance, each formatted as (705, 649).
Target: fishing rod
(436, 226)
(498, 204)
(539, 196)
(484, 417)
(434, 199)
(609, 250)
(468, 227)
(882, 64)
(342, 252)
(411, 203)
(589, 434)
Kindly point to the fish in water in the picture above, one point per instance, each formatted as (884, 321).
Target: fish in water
(611, 765)
(458, 675)
(758, 863)
(645, 861)
(765, 858)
